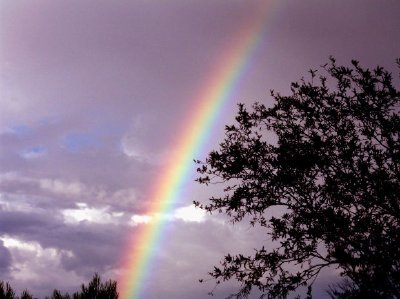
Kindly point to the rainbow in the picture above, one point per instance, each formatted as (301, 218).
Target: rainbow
(166, 192)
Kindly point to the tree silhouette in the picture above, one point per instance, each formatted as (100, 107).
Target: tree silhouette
(6, 292)
(57, 295)
(96, 289)
(26, 295)
(327, 159)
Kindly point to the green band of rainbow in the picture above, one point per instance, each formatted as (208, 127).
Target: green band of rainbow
(217, 90)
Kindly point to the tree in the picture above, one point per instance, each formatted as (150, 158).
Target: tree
(327, 157)
(26, 295)
(6, 292)
(58, 295)
(98, 289)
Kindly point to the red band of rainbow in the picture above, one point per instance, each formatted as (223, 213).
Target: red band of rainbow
(217, 90)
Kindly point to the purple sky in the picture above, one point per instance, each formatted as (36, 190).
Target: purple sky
(93, 92)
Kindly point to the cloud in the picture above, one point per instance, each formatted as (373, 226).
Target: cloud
(33, 152)
(122, 197)
(91, 214)
(60, 187)
(55, 191)
(142, 141)
(40, 240)
(134, 148)
(54, 186)
(185, 214)
(11, 203)
(32, 263)
(190, 214)
(5, 259)
(140, 219)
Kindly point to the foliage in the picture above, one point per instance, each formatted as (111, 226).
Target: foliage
(6, 292)
(96, 289)
(57, 295)
(26, 295)
(347, 290)
(327, 156)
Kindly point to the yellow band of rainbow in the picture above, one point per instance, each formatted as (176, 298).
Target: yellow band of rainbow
(164, 195)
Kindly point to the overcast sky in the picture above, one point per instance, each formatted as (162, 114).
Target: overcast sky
(94, 92)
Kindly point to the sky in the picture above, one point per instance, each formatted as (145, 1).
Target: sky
(94, 98)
